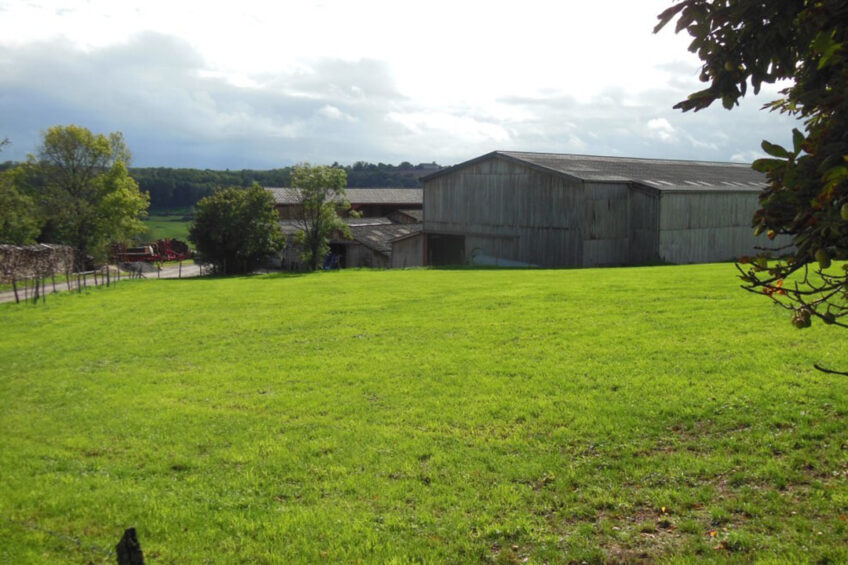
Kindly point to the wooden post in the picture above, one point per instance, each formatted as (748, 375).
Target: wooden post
(53, 278)
(180, 274)
(108, 275)
(129, 549)
(79, 284)
(35, 291)
(15, 289)
(94, 272)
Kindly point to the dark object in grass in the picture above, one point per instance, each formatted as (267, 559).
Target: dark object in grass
(129, 550)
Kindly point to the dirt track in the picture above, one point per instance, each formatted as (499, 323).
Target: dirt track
(171, 272)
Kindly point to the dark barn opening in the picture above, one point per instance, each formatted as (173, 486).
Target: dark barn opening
(445, 249)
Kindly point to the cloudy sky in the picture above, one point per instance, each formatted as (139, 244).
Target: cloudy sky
(262, 84)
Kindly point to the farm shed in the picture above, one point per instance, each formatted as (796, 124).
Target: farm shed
(370, 244)
(555, 210)
(368, 202)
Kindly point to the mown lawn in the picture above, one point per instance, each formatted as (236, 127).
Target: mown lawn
(618, 415)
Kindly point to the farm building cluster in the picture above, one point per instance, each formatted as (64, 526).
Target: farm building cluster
(549, 210)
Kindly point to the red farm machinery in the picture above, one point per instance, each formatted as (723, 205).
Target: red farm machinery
(157, 252)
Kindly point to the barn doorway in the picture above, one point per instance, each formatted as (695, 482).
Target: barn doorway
(336, 258)
(443, 250)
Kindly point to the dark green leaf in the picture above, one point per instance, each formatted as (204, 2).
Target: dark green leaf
(797, 140)
(775, 150)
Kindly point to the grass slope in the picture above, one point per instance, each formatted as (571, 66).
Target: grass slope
(167, 227)
(613, 415)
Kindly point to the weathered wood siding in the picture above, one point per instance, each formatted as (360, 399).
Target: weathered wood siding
(606, 224)
(703, 227)
(408, 252)
(644, 226)
(357, 255)
(510, 211)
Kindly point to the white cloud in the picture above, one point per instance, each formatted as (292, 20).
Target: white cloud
(333, 113)
(660, 129)
(462, 127)
(336, 80)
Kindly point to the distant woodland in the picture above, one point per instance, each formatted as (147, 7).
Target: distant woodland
(181, 188)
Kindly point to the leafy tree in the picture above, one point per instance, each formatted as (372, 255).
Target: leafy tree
(80, 184)
(236, 229)
(742, 42)
(19, 223)
(322, 196)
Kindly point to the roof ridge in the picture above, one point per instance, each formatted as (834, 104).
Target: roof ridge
(616, 157)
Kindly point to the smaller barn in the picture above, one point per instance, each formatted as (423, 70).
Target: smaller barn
(367, 202)
(384, 214)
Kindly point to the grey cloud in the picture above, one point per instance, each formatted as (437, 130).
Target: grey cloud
(174, 112)
(617, 123)
(155, 89)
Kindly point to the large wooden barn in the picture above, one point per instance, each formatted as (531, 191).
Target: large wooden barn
(551, 210)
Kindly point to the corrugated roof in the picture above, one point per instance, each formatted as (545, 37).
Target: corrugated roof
(660, 174)
(291, 227)
(415, 214)
(379, 238)
(400, 196)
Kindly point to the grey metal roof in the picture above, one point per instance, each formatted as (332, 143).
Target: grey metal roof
(660, 174)
(400, 196)
(379, 237)
(291, 227)
(415, 214)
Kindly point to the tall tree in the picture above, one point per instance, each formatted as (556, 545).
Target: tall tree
(236, 229)
(322, 197)
(19, 223)
(79, 182)
(742, 42)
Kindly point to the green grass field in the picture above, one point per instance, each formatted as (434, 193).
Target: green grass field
(618, 415)
(167, 227)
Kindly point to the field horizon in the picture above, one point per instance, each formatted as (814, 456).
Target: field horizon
(623, 415)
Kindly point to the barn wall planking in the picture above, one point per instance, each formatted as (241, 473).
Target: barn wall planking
(357, 255)
(496, 199)
(644, 226)
(703, 227)
(703, 245)
(408, 252)
(695, 210)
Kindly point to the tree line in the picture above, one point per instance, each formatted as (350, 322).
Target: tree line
(171, 188)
